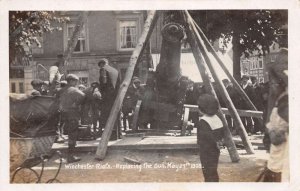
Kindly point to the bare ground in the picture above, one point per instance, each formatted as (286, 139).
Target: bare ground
(167, 166)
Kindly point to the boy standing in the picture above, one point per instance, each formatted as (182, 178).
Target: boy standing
(209, 136)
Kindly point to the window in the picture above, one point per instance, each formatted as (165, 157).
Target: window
(254, 64)
(251, 65)
(81, 45)
(13, 87)
(21, 87)
(16, 73)
(260, 64)
(128, 34)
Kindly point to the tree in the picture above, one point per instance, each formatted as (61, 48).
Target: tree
(26, 26)
(249, 30)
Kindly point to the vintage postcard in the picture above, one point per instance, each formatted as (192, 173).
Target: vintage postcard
(161, 97)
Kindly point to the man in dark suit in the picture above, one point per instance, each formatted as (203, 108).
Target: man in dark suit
(109, 83)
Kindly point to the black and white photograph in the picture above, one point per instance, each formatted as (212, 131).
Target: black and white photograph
(150, 95)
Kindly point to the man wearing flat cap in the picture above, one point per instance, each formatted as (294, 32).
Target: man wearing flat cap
(70, 99)
(134, 93)
(37, 87)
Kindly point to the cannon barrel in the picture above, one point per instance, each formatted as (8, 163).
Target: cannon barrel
(168, 70)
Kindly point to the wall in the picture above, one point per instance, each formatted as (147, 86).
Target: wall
(102, 32)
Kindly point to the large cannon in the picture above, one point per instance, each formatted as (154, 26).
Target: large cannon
(163, 110)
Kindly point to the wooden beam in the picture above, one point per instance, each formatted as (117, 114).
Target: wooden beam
(242, 113)
(234, 82)
(221, 87)
(245, 113)
(137, 53)
(208, 86)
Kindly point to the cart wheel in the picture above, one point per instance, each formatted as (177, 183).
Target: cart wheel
(53, 181)
(25, 175)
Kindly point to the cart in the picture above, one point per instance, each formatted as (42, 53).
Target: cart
(33, 124)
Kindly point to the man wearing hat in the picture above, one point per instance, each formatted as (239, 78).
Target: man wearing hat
(109, 85)
(108, 76)
(134, 93)
(37, 87)
(70, 99)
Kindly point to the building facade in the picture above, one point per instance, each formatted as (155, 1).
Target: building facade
(256, 65)
(105, 34)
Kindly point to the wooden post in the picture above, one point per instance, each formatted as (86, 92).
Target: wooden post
(137, 53)
(221, 88)
(234, 82)
(208, 87)
(232, 79)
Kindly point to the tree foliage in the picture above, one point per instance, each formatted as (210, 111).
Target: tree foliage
(255, 29)
(249, 30)
(26, 26)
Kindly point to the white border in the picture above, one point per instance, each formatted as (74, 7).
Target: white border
(294, 92)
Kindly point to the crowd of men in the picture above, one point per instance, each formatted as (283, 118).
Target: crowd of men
(271, 98)
(87, 106)
(257, 93)
(91, 106)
